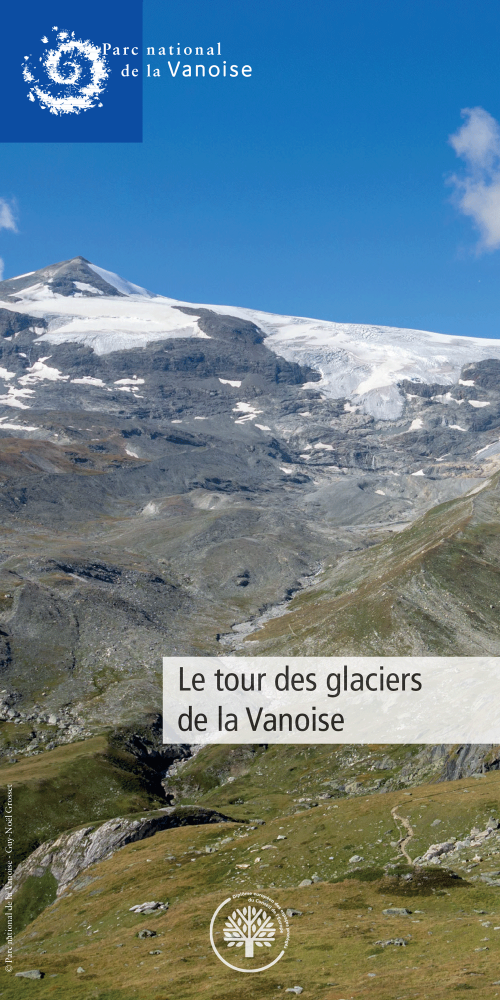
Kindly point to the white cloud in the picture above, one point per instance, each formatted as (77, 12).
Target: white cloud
(1, 268)
(7, 220)
(477, 191)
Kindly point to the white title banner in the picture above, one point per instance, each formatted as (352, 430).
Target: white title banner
(331, 699)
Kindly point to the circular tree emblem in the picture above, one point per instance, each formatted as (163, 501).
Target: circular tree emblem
(251, 930)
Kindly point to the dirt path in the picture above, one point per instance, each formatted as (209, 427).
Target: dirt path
(404, 840)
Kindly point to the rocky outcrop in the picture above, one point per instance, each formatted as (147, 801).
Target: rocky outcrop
(472, 758)
(448, 762)
(476, 838)
(72, 853)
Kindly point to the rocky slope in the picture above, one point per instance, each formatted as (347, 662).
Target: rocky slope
(72, 853)
(172, 473)
(265, 780)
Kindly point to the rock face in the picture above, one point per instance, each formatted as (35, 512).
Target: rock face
(470, 759)
(72, 853)
(444, 762)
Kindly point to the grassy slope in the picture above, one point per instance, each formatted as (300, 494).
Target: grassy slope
(332, 942)
(261, 782)
(429, 590)
(72, 785)
(96, 779)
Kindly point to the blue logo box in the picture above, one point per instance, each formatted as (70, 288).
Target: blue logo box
(72, 72)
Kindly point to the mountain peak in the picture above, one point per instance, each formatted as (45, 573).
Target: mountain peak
(76, 277)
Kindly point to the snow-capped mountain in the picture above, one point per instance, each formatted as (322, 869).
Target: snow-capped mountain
(171, 472)
(84, 304)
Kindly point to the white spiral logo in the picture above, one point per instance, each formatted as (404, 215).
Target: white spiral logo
(71, 76)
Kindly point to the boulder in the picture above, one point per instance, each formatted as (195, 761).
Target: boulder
(148, 907)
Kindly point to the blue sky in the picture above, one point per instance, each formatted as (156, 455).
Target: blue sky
(319, 186)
